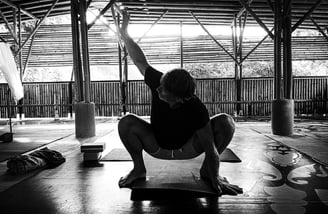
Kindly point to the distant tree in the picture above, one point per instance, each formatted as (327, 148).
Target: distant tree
(210, 70)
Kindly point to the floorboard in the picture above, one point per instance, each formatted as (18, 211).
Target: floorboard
(275, 179)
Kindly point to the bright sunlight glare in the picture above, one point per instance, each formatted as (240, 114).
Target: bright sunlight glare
(138, 30)
(189, 30)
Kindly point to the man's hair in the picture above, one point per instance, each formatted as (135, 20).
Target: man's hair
(180, 83)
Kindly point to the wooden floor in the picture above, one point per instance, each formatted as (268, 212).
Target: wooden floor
(275, 178)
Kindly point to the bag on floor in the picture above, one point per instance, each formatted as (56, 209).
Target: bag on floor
(21, 164)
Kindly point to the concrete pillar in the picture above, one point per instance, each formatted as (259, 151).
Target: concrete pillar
(282, 118)
(85, 125)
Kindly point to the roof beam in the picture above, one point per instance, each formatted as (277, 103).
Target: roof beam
(16, 7)
(244, 9)
(270, 5)
(102, 12)
(147, 31)
(153, 24)
(8, 27)
(251, 51)
(212, 37)
(37, 27)
(306, 15)
(319, 28)
(245, 5)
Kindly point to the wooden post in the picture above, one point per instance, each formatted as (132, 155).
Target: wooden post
(85, 125)
(277, 49)
(77, 66)
(287, 30)
(240, 53)
(282, 118)
(20, 59)
(181, 44)
(85, 50)
(125, 80)
(120, 70)
(235, 54)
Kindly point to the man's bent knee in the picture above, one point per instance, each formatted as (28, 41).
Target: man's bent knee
(224, 121)
(223, 127)
(127, 122)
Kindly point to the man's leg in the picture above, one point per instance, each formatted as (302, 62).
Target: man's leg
(223, 128)
(136, 135)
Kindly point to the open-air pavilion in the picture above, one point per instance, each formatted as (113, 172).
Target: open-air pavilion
(284, 161)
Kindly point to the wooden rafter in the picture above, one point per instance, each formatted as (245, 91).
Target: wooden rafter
(37, 27)
(241, 12)
(212, 37)
(16, 7)
(319, 28)
(306, 15)
(101, 13)
(258, 44)
(270, 5)
(28, 54)
(8, 27)
(259, 21)
(152, 25)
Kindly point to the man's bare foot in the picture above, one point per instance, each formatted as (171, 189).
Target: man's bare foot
(221, 184)
(127, 180)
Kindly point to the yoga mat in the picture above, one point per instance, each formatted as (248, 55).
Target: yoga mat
(28, 138)
(120, 154)
(172, 180)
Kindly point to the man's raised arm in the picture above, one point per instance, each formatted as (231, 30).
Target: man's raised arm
(135, 52)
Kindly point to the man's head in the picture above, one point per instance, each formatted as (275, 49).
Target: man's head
(176, 85)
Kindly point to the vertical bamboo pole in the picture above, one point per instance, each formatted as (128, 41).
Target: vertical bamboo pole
(85, 50)
(125, 80)
(20, 57)
(77, 66)
(277, 49)
(120, 70)
(85, 125)
(282, 118)
(240, 53)
(235, 54)
(181, 44)
(287, 30)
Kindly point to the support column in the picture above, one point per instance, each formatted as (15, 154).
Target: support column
(283, 105)
(235, 54)
(181, 44)
(85, 109)
(125, 80)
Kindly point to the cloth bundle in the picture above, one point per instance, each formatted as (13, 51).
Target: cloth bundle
(21, 164)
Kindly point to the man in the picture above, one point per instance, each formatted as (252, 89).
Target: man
(180, 126)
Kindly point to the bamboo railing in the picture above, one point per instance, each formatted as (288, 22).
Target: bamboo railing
(219, 95)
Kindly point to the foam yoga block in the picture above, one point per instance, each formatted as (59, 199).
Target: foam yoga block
(85, 120)
(282, 118)
(92, 151)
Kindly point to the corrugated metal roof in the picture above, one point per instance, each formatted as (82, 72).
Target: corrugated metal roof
(216, 12)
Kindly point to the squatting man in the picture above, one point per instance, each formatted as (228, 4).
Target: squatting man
(180, 126)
